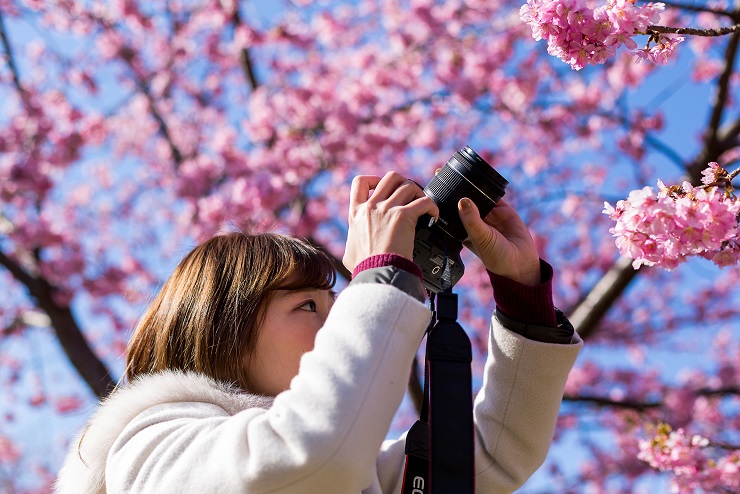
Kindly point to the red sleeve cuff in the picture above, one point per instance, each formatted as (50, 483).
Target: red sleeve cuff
(382, 260)
(523, 303)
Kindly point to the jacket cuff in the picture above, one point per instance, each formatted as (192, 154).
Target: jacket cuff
(392, 275)
(561, 334)
(523, 303)
(382, 260)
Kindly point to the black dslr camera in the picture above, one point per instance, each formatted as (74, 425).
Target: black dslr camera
(437, 246)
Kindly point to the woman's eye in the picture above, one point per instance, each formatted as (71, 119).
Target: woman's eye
(308, 305)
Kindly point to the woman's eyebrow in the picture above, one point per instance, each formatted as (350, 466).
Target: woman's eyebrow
(286, 292)
(291, 291)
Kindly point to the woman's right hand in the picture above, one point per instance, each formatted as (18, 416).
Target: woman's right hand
(384, 222)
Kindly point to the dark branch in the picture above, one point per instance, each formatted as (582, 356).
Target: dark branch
(245, 59)
(587, 314)
(18, 272)
(665, 150)
(162, 125)
(81, 356)
(700, 8)
(722, 92)
(73, 342)
(720, 31)
(713, 145)
(642, 406)
(607, 402)
(127, 55)
(11, 60)
(727, 138)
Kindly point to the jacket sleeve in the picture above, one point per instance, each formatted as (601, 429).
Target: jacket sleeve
(517, 407)
(321, 435)
(514, 412)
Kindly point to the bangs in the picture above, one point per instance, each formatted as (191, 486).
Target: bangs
(305, 267)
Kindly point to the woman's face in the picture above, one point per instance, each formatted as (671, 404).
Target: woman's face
(291, 322)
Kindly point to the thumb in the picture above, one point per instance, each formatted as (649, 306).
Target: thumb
(478, 232)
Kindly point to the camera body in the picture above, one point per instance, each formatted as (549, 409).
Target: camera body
(437, 246)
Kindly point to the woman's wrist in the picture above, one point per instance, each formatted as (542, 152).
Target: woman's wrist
(382, 260)
(530, 304)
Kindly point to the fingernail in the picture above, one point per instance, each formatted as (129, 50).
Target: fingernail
(465, 203)
(432, 221)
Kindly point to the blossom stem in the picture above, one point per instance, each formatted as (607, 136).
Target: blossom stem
(734, 174)
(720, 31)
(727, 446)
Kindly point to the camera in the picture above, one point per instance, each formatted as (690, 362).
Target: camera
(437, 246)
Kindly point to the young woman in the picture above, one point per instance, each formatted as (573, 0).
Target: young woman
(245, 375)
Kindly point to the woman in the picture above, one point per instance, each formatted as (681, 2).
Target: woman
(245, 375)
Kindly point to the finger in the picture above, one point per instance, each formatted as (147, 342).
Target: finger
(500, 214)
(405, 193)
(478, 231)
(423, 205)
(361, 187)
(387, 185)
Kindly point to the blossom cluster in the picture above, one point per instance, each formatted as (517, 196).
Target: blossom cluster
(690, 460)
(664, 229)
(580, 36)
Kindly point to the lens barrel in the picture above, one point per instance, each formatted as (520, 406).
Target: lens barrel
(465, 174)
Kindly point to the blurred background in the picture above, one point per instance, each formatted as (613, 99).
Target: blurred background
(130, 131)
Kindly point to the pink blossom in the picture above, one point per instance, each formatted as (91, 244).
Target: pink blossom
(661, 51)
(9, 452)
(712, 173)
(695, 465)
(66, 404)
(666, 228)
(581, 36)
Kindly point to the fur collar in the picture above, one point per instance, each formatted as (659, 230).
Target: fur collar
(83, 470)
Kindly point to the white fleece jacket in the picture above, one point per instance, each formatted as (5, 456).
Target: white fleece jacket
(178, 432)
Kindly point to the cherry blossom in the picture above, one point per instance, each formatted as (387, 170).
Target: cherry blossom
(695, 464)
(667, 227)
(581, 36)
(132, 130)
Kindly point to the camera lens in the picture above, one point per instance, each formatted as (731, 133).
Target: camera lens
(465, 174)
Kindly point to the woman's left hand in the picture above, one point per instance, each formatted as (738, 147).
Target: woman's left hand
(502, 241)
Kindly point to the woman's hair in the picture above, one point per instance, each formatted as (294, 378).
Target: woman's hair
(207, 316)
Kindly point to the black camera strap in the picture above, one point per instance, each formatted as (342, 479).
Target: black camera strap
(439, 446)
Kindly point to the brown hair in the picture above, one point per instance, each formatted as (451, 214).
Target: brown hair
(207, 316)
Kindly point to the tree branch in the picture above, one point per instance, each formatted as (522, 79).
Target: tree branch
(608, 402)
(162, 125)
(665, 150)
(11, 59)
(720, 31)
(62, 321)
(245, 59)
(720, 98)
(127, 56)
(587, 314)
(73, 342)
(700, 8)
(647, 405)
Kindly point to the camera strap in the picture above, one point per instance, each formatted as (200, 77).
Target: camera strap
(439, 446)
